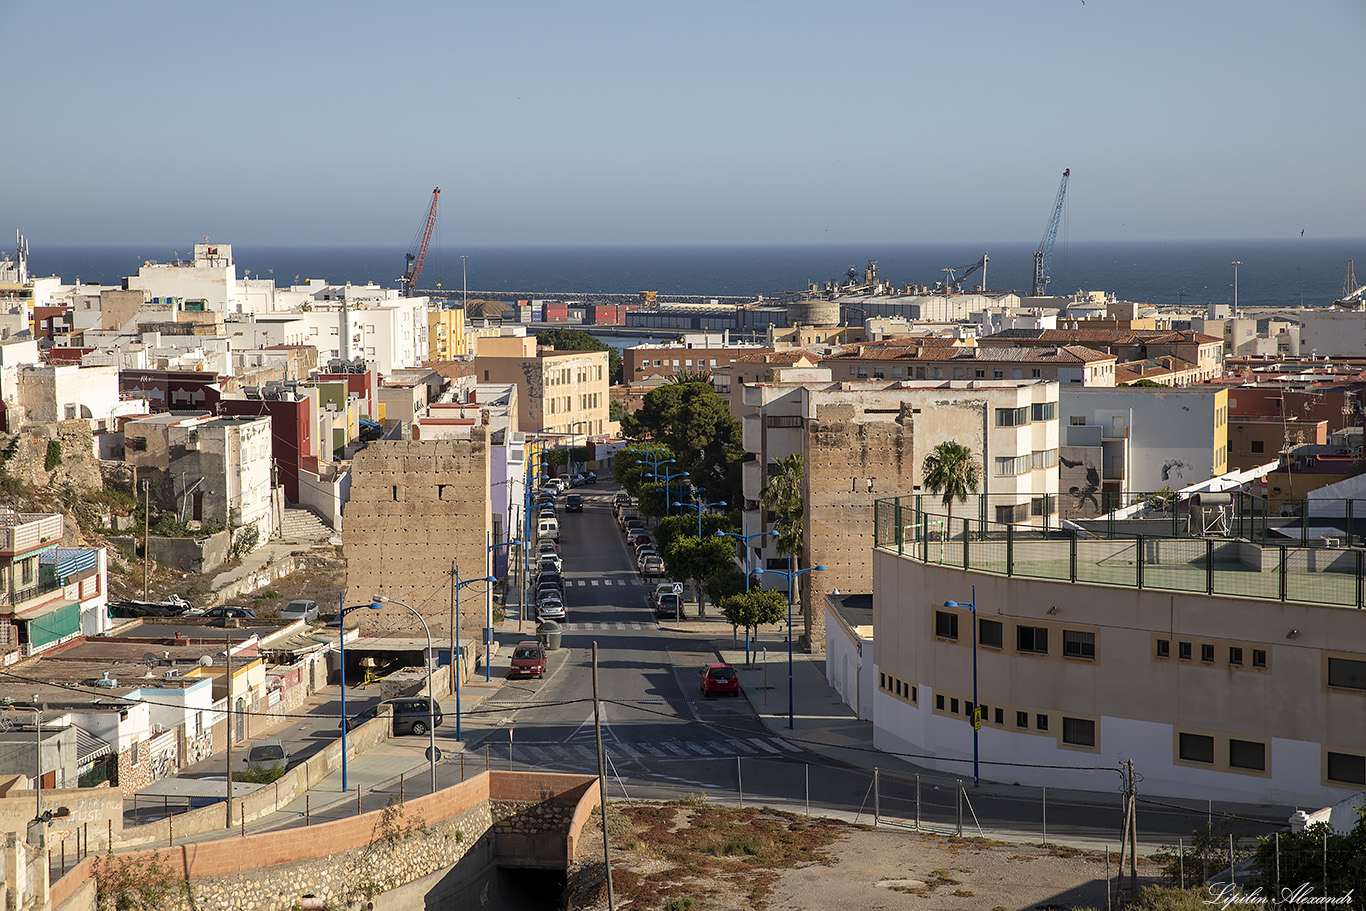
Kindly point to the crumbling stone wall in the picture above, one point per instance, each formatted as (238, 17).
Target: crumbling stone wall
(78, 469)
(848, 462)
(416, 507)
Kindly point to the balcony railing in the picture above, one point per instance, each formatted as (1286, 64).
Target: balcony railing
(1273, 568)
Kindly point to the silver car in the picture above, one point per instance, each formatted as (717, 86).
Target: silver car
(300, 610)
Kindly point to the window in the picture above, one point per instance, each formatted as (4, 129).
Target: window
(1078, 644)
(1008, 466)
(967, 709)
(1259, 657)
(1012, 417)
(136, 756)
(1258, 446)
(1000, 716)
(1183, 651)
(998, 374)
(1196, 748)
(1347, 673)
(1043, 411)
(1022, 719)
(1346, 768)
(1008, 514)
(1247, 754)
(990, 633)
(1036, 373)
(1041, 722)
(1032, 639)
(782, 420)
(1164, 648)
(1207, 653)
(1079, 732)
(939, 702)
(896, 372)
(945, 624)
(1077, 420)
(1043, 458)
(953, 705)
(198, 723)
(1235, 655)
(980, 374)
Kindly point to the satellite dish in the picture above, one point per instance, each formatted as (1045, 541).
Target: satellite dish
(152, 658)
(206, 661)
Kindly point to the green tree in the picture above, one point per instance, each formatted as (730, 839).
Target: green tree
(631, 467)
(950, 470)
(1314, 854)
(699, 560)
(783, 495)
(695, 424)
(753, 609)
(615, 411)
(578, 340)
(54, 455)
(650, 499)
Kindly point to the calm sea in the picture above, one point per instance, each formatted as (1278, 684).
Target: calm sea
(1280, 273)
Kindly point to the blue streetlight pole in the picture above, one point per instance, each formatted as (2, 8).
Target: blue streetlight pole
(488, 607)
(668, 480)
(976, 707)
(341, 647)
(790, 575)
(455, 652)
(699, 508)
(745, 539)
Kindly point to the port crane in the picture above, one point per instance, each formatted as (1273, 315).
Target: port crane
(1038, 285)
(413, 267)
(952, 283)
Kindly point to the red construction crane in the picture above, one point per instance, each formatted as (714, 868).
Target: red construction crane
(413, 268)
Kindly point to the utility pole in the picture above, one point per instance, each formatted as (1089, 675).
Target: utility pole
(602, 784)
(1129, 828)
(146, 524)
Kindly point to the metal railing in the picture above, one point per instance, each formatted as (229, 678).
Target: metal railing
(1160, 553)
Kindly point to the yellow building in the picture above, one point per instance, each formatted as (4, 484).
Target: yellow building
(446, 334)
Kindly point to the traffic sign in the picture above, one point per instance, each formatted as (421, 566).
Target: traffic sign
(678, 588)
(977, 719)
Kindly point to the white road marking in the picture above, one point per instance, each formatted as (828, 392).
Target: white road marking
(673, 748)
(763, 745)
(790, 747)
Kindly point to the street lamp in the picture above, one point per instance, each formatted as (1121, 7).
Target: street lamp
(341, 639)
(464, 284)
(699, 508)
(378, 604)
(976, 708)
(791, 576)
(667, 479)
(745, 539)
(455, 648)
(571, 441)
(1235, 264)
(488, 607)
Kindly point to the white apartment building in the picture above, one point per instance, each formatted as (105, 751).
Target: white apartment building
(210, 275)
(860, 440)
(388, 332)
(1137, 440)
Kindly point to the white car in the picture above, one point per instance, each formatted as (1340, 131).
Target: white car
(550, 609)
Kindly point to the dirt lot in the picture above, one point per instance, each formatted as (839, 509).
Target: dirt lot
(691, 857)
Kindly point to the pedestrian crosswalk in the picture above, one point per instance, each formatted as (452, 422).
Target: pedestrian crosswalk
(553, 754)
(585, 627)
(583, 582)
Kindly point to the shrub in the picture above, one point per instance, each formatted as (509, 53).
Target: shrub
(54, 455)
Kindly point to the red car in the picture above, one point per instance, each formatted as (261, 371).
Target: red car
(720, 678)
(528, 659)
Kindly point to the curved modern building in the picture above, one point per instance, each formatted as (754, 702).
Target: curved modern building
(1225, 669)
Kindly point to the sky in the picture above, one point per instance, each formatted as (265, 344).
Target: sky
(706, 122)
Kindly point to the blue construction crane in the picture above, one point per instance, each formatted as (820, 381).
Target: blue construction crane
(1038, 286)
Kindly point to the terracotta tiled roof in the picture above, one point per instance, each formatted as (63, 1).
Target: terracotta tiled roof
(994, 354)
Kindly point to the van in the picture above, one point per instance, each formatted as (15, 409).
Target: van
(548, 528)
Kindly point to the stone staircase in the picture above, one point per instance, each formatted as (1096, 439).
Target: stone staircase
(301, 525)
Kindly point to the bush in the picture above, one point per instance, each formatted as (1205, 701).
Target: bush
(260, 774)
(245, 541)
(54, 455)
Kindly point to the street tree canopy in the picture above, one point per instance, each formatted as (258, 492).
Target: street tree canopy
(695, 424)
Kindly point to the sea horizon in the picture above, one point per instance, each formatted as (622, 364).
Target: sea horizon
(1271, 273)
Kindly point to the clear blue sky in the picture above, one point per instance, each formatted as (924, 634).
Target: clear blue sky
(700, 122)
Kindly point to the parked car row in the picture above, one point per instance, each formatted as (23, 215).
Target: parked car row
(550, 600)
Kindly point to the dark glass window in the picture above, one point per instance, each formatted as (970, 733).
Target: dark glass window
(946, 624)
(1246, 754)
(1032, 639)
(1196, 748)
(990, 632)
(1079, 732)
(1077, 644)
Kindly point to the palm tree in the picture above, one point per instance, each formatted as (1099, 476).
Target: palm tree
(950, 469)
(783, 495)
